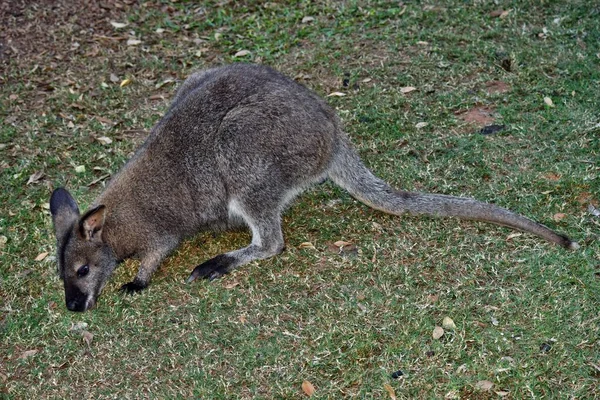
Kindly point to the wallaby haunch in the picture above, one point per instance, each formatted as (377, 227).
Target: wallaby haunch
(235, 147)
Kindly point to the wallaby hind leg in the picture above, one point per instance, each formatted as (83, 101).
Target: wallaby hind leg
(267, 241)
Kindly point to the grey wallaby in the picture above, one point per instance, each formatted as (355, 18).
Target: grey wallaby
(236, 146)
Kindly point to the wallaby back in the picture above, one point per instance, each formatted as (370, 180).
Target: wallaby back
(237, 144)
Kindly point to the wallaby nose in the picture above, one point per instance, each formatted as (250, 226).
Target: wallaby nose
(74, 305)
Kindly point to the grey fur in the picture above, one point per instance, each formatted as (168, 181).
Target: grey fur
(236, 146)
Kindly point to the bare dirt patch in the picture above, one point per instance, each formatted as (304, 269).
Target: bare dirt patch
(479, 116)
(493, 87)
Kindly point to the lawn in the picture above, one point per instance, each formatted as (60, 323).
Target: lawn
(499, 101)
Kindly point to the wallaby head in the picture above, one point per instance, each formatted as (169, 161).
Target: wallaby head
(85, 261)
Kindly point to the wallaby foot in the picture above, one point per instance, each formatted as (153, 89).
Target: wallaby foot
(267, 241)
(212, 269)
(133, 287)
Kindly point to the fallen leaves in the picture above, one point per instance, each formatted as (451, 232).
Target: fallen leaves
(391, 392)
(125, 82)
(499, 13)
(307, 19)
(484, 385)
(28, 353)
(559, 217)
(421, 125)
(551, 176)
(118, 25)
(438, 332)
(308, 388)
(35, 177)
(407, 89)
(133, 42)
(306, 245)
(41, 256)
(87, 337)
(448, 323)
(336, 94)
(241, 53)
(80, 169)
(548, 101)
(105, 140)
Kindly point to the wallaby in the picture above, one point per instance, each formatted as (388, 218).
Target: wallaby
(235, 147)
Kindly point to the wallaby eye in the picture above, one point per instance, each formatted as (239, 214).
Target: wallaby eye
(83, 271)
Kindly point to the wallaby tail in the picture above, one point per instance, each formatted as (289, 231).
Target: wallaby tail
(348, 171)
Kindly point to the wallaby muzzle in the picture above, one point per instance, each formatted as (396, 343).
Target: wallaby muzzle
(76, 300)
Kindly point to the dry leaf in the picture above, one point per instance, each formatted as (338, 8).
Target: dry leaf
(390, 391)
(308, 388)
(438, 332)
(496, 13)
(513, 235)
(551, 176)
(453, 394)
(306, 245)
(231, 285)
(408, 89)
(502, 393)
(41, 256)
(28, 353)
(432, 298)
(87, 337)
(447, 323)
(484, 385)
(366, 80)
(242, 53)
(78, 326)
(114, 78)
(80, 169)
(125, 82)
(341, 243)
(504, 14)
(35, 177)
(104, 140)
(133, 42)
(336, 94)
(548, 102)
(118, 25)
(559, 217)
(306, 20)
(421, 125)
(159, 30)
(99, 179)
(3, 241)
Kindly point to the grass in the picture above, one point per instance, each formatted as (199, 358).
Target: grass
(526, 312)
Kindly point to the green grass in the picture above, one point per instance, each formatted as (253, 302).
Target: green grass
(343, 322)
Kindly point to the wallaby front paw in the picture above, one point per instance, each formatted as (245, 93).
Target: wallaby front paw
(132, 287)
(212, 269)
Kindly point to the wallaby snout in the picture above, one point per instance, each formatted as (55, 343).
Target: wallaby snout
(76, 300)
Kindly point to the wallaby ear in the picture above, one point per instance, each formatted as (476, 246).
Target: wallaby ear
(64, 211)
(90, 225)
